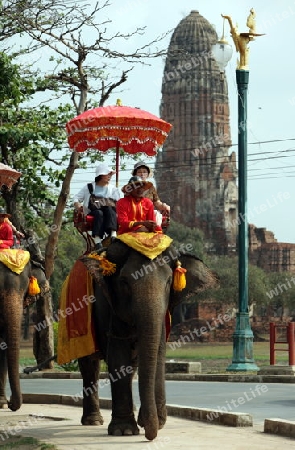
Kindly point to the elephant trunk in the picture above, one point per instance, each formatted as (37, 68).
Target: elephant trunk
(151, 365)
(13, 319)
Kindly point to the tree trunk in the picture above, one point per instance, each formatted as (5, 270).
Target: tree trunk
(43, 341)
(54, 231)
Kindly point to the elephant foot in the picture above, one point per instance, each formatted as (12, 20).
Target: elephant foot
(150, 426)
(123, 427)
(92, 419)
(150, 430)
(162, 416)
(14, 405)
(3, 403)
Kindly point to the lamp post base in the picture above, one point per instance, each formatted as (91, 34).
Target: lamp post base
(243, 346)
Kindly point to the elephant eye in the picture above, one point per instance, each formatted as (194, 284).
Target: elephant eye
(123, 283)
(168, 284)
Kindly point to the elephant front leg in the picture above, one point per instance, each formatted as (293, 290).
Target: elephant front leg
(89, 368)
(160, 393)
(3, 375)
(121, 371)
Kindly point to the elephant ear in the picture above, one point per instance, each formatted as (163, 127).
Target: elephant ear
(93, 266)
(107, 262)
(199, 276)
(118, 253)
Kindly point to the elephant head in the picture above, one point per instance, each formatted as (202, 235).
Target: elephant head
(130, 310)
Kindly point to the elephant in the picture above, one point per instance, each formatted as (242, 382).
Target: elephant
(129, 314)
(13, 291)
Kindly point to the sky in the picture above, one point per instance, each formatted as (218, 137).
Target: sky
(271, 93)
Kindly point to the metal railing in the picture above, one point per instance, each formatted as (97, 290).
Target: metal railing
(287, 338)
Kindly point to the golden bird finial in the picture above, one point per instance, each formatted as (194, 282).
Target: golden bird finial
(251, 22)
(119, 102)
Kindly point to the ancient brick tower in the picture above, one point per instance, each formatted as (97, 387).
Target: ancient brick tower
(194, 172)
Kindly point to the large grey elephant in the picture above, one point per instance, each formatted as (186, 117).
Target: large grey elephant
(13, 290)
(129, 315)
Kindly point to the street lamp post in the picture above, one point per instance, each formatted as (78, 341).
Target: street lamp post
(243, 335)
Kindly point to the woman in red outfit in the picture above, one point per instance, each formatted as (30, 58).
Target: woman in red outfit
(6, 235)
(136, 212)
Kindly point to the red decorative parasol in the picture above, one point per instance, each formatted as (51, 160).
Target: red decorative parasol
(8, 176)
(131, 129)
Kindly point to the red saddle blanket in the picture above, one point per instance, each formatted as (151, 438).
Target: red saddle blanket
(76, 337)
(75, 331)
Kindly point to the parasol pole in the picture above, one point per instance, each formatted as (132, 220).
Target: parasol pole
(118, 103)
(117, 162)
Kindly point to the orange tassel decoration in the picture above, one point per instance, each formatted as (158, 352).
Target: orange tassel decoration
(34, 288)
(108, 268)
(179, 280)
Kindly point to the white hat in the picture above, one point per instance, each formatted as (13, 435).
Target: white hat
(103, 169)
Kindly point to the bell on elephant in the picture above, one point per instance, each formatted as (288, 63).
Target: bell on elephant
(34, 288)
(179, 280)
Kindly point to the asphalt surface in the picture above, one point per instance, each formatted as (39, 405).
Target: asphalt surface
(261, 400)
(60, 425)
(55, 418)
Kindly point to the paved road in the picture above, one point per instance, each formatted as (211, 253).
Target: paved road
(270, 400)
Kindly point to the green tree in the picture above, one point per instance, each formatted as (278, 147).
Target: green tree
(280, 292)
(185, 235)
(228, 293)
(9, 80)
(85, 66)
(28, 138)
(67, 253)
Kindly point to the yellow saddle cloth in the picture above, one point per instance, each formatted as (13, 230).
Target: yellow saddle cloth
(14, 258)
(149, 244)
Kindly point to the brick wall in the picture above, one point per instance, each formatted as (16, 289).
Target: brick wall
(216, 323)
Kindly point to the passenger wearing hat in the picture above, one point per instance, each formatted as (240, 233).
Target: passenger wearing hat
(135, 211)
(103, 207)
(143, 171)
(6, 235)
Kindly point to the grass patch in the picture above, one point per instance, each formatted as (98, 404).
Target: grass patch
(26, 443)
(216, 357)
(27, 362)
(27, 359)
(26, 350)
(26, 355)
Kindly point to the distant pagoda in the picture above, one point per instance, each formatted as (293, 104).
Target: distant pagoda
(194, 172)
